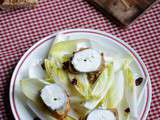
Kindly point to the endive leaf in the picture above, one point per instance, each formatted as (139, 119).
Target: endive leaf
(53, 71)
(31, 88)
(101, 87)
(121, 109)
(59, 76)
(64, 50)
(61, 37)
(104, 81)
(130, 90)
(82, 86)
(40, 110)
(69, 118)
(43, 112)
(115, 93)
(36, 71)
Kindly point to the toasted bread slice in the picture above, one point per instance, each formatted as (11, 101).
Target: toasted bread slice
(15, 4)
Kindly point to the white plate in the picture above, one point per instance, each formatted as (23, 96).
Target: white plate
(112, 45)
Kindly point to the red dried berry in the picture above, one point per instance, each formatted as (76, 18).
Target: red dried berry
(127, 110)
(74, 82)
(43, 66)
(36, 118)
(138, 81)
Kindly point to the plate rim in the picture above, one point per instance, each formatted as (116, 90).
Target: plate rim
(104, 34)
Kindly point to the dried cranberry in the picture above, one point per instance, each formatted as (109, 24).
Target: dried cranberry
(74, 82)
(66, 65)
(36, 118)
(127, 110)
(138, 81)
(102, 54)
(43, 66)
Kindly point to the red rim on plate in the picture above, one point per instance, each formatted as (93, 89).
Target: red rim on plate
(12, 89)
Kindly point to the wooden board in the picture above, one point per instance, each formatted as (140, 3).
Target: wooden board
(125, 11)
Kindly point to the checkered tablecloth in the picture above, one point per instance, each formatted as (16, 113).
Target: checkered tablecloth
(20, 29)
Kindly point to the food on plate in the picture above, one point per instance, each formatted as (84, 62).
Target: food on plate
(80, 82)
(55, 99)
(87, 60)
(100, 114)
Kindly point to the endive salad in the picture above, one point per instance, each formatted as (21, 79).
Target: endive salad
(78, 82)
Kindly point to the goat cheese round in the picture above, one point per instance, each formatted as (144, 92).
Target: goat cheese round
(54, 96)
(100, 114)
(88, 60)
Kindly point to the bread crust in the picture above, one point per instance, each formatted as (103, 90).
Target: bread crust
(16, 4)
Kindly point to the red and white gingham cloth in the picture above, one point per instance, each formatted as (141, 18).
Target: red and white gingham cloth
(20, 29)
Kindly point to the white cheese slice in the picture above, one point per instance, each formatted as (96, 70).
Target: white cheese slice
(54, 96)
(88, 60)
(100, 114)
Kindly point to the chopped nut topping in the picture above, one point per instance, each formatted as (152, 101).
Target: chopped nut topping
(92, 77)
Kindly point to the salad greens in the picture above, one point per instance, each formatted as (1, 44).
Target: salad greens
(130, 89)
(55, 73)
(115, 93)
(32, 87)
(114, 88)
(101, 87)
(63, 53)
(82, 85)
(104, 81)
